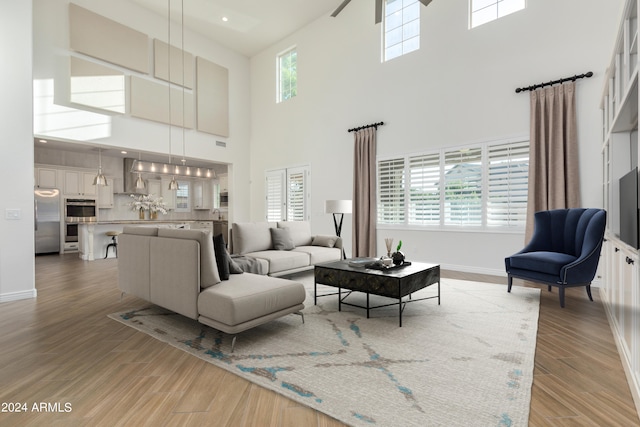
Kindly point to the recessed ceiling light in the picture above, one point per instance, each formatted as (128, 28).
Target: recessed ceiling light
(225, 19)
(44, 141)
(123, 152)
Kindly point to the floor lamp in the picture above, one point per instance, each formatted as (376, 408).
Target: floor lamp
(338, 207)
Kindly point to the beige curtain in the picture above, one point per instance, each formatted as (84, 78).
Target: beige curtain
(554, 181)
(364, 193)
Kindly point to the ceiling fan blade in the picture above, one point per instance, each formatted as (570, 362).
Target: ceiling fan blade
(378, 11)
(426, 2)
(339, 9)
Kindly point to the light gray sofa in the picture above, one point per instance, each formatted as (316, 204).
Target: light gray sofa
(176, 269)
(264, 242)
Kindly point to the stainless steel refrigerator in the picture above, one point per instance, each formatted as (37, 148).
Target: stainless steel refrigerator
(47, 218)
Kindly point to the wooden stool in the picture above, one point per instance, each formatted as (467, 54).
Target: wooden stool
(113, 243)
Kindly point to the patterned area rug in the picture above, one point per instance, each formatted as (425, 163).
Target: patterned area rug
(466, 362)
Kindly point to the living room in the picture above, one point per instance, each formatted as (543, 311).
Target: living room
(458, 89)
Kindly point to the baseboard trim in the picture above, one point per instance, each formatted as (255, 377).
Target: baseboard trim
(475, 270)
(15, 296)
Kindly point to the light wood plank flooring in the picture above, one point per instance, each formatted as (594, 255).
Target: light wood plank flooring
(61, 348)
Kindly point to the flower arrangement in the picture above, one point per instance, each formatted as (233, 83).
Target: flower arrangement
(147, 202)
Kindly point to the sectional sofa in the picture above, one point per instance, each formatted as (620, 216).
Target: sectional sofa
(283, 247)
(177, 269)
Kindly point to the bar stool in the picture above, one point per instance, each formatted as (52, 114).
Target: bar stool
(114, 242)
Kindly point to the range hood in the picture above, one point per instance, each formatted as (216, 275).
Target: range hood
(129, 179)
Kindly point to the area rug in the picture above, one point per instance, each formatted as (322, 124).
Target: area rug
(468, 361)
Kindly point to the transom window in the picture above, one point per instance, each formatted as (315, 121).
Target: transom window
(401, 27)
(480, 186)
(287, 75)
(483, 11)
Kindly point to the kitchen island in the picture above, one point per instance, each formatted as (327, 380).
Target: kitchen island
(93, 241)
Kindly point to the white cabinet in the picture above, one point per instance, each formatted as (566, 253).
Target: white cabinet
(202, 194)
(46, 177)
(105, 195)
(154, 186)
(223, 180)
(77, 183)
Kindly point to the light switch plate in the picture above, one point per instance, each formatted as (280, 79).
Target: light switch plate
(12, 213)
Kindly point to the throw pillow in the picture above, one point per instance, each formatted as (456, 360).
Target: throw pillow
(327, 241)
(220, 249)
(281, 239)
(234, 268)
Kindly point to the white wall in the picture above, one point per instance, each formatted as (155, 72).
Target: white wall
(16, 142)
(458, 88)
(51, 56)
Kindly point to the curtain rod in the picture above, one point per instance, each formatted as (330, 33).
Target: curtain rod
(374, 125)
(566, 79)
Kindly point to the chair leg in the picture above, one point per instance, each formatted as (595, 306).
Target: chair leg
(509, 282)
(589, 292)
(561, 293)
(233, 343)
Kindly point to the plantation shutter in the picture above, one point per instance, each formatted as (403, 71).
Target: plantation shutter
(275, 195)
(463, 187)
(508, 181)
(296, 194)
(424, 191)
(391, 191)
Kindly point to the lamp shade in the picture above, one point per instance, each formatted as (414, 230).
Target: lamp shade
(338, 206)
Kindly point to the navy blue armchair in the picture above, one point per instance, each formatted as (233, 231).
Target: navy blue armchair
(564, 250)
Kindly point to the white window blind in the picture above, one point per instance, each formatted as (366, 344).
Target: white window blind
(182, 197)
(508, 183)
(463, 187)
(424, 189)
(391, 191)
(296, 195)
(275, 195)
(287, 194)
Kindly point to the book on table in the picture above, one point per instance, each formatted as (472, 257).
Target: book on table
(360, 262)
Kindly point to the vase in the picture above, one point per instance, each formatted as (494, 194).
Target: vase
(153, 215)
(140, 214)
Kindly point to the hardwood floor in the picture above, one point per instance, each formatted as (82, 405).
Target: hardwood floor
(60, 348)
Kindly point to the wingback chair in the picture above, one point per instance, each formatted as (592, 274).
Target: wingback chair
(564, 250)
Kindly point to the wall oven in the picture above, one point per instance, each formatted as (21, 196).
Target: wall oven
(78, 211)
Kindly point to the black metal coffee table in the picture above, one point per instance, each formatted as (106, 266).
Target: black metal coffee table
(393, 283)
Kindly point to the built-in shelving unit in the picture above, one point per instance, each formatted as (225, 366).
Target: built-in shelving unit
(621, 286)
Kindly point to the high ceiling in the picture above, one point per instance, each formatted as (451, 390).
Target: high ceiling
(251, 26)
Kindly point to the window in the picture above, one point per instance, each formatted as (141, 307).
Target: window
(182, 197)
(480, 186)
(287, 75)
(483, 11)
(401, 27)
(287, 194)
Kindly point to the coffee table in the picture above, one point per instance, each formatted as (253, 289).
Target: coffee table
(394, 283)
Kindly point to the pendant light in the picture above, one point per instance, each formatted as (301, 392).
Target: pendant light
(100, 178)
(139, 181)
(173, 184)
(184, 160)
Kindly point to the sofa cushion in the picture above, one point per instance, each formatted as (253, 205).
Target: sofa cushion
(281, 239)
(300, 231)
(318, 254)
(250, 237)
(282, 260)
(545, 262)
(326, 241)
(247, 297)
(209, 275)
(222, 262)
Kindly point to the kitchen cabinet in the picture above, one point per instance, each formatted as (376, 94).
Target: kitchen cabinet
(77, 183)
(223, 180)
(46, 178)
(105, 195)
(202, 194)
(155, 187)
